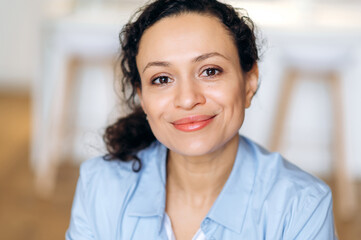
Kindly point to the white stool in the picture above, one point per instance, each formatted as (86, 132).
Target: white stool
(67, 44)
(322, 63)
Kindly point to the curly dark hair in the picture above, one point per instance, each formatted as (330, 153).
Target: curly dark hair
(130, 134)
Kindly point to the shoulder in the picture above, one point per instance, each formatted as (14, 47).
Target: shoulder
(102, 174)
(105, 187)
(102, 182)
(277, 179)
(98, 168)
(293, 203)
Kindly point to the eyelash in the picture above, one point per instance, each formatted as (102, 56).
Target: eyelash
(217, 70)
(156, 80)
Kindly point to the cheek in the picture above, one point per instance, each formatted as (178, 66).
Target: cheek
(228, 96)
(155, 104)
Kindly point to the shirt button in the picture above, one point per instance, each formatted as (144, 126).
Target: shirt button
(205, 225)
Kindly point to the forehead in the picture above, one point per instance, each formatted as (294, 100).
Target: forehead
(189, 33)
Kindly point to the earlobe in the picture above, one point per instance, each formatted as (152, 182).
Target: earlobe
(251, 84)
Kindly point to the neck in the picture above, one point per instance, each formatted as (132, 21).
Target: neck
(200, 178)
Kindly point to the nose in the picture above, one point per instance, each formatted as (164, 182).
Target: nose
(189, 94)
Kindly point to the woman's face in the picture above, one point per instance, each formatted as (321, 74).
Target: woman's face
(194, 91)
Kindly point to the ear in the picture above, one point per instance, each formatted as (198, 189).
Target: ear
(139, 94)
(251, 84)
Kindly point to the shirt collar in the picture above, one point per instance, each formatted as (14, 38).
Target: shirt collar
(231, 205)
(149, 197)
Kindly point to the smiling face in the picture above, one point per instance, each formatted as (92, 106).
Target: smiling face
(193, 89)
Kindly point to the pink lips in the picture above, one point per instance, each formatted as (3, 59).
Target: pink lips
(193, 123)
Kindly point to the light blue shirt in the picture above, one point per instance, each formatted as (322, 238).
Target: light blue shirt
(265, 197)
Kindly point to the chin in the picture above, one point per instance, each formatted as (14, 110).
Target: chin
(195, 148)
(198, 143)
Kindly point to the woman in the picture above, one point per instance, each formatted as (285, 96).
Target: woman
(177, 168)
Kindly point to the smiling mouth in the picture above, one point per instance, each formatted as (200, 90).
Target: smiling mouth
(193, 123)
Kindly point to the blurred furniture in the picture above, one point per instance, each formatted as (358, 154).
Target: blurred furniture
(321, 63)
(67, 43)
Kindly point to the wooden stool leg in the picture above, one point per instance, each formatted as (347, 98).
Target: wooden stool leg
(46, 178)
(283, 104)
(345, 190)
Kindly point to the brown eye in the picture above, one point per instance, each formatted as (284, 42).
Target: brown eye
(210, 72)
(161, 80)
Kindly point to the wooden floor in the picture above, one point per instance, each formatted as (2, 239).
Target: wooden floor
(25, 216)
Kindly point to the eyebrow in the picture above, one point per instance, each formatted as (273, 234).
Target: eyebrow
(208, 55)
(196, 59)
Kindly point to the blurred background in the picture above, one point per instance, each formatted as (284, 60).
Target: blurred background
(57, 96)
